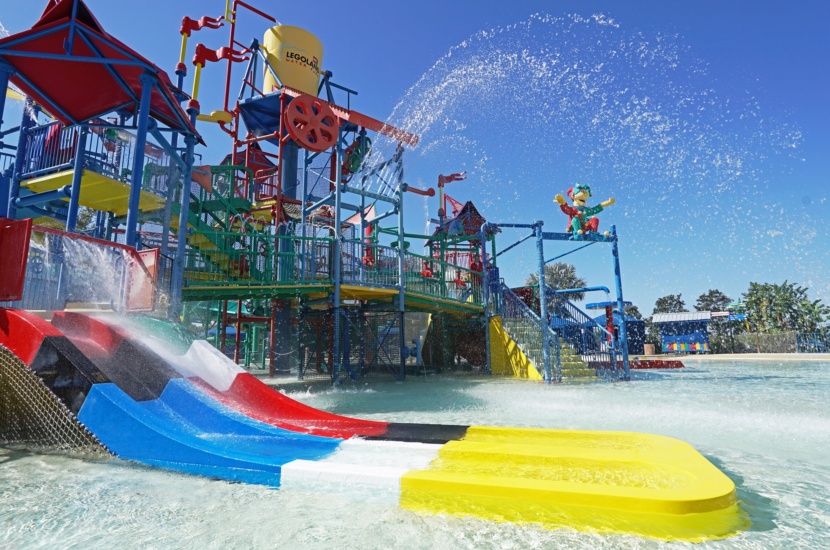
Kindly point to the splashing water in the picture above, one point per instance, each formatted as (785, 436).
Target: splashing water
(531, 108)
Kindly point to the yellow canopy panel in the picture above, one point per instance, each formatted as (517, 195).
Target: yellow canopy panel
(604, 482)
(97, 191)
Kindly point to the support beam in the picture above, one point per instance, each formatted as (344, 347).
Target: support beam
(77, 178)
(46, 196)
(543, 309)
(620, 304)
(6, 71)
(25, 123)
(336, 253)
(401, 283)
(190, 140)
(142, 122)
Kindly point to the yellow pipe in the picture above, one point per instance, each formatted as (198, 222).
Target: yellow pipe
(196, 77)
(14, 94)
(184, 48)
(229, 13)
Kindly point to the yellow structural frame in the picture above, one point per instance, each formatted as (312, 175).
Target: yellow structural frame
(97, 191)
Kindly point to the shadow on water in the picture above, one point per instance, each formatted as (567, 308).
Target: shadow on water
(12, 453)
(762, 511)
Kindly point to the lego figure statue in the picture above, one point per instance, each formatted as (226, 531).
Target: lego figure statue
(581, 217)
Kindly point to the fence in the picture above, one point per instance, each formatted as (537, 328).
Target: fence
(753, 342)
(812, 342)
(256, 258)
(108, 151)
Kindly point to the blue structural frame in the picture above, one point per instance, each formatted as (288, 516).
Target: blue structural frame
(542, 236)
(143, 122)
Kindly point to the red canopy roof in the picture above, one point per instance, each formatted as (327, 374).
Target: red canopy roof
(98, 76)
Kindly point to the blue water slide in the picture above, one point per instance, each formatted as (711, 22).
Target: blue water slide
(184, 431)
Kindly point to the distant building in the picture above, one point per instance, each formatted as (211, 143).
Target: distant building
(684, 332)
(635, 332)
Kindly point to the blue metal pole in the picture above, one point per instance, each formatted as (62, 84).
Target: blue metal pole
(5, 184)
(620, 305)
(6, 71)
(485, 297)
(77, 177)
(46, 196)
(401, 279)
(181, 71)
(543, 306)
(335, 256)
(143, 119)
(177, 283)
(19, 159)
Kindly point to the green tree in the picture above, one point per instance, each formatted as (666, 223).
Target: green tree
(720, 329)
(560, 276)
(672, 303)
(772, 308)
(633, 311)
(712, 300)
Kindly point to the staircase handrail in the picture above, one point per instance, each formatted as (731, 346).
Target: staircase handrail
(551, 294)
(553, 338)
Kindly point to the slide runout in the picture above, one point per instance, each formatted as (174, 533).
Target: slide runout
(609, 482)
(177, 426)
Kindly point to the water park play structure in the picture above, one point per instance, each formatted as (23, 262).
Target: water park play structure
(283, 241)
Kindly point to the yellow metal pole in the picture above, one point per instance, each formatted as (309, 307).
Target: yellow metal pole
(196, 77)
(184, 48)
(229, 13)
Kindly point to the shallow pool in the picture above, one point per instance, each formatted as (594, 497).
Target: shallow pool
(766, 424)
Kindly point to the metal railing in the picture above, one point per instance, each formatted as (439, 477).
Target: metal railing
(262, 258)
(6, 161)
(108, 151)
(256, 258)
(582, 333)
(525, 327)
(442, 279)
(369, 264)
(812, 342)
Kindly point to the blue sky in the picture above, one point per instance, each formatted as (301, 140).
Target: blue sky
(708, 120)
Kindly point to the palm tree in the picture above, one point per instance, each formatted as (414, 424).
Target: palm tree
(560, 276)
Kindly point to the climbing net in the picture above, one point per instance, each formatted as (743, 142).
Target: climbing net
(31, 415)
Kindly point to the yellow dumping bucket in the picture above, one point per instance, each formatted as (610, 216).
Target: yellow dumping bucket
(604, 482)
(296, 56)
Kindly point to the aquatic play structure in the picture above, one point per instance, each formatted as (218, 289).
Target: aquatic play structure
(283, 241)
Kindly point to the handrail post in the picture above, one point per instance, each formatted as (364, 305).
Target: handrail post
(620, 304)
(401, 279)
(485, 297)
(142, 124)
(336, 254)
(77, 178)
(543, 310)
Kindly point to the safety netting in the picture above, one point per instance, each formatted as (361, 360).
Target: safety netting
(32, 416)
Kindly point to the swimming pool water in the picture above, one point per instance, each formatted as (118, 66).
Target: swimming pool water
(766, 424)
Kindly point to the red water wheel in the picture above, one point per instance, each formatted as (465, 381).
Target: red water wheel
(311, 123)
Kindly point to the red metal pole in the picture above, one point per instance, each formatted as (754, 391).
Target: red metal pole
(238, 337)
(609, 322)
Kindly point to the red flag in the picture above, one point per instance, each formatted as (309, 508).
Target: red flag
(456, 206)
